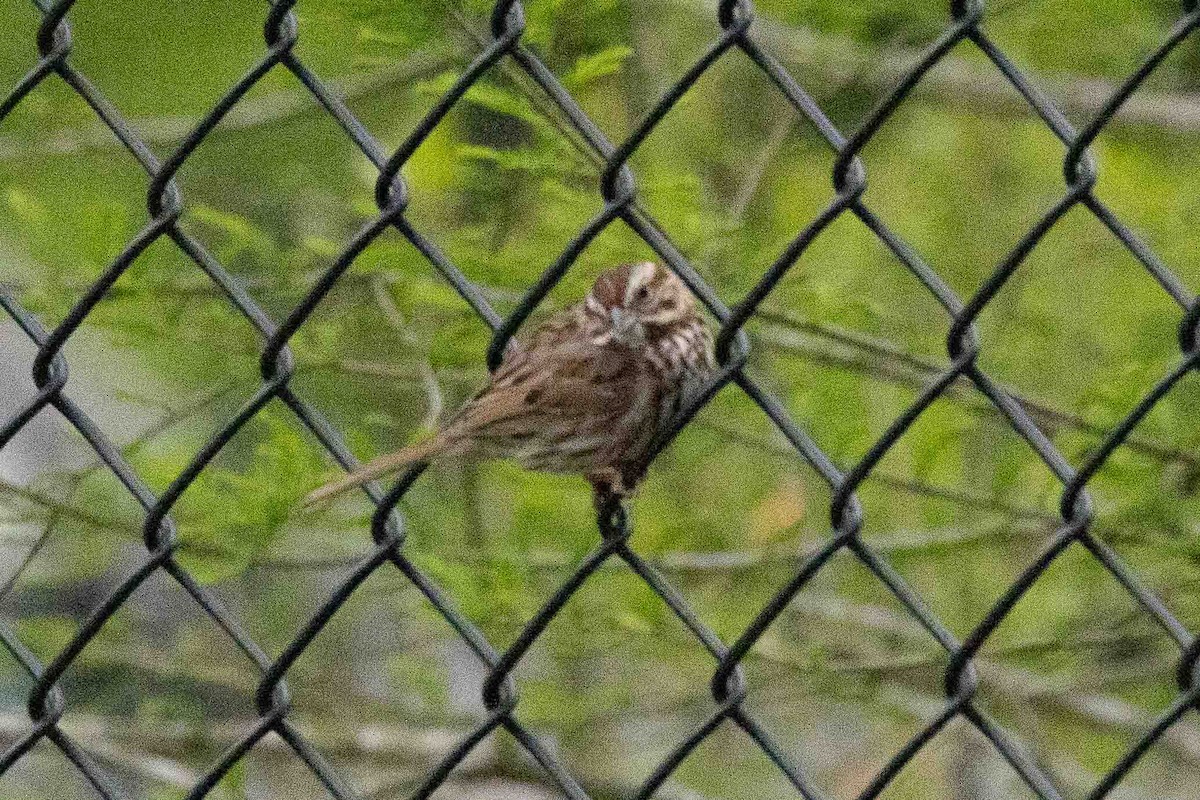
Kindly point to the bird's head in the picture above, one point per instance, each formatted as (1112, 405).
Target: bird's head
(640, 302)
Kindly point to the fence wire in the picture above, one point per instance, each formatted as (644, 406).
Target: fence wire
(733, 31)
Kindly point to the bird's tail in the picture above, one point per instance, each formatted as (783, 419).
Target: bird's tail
(389, 462)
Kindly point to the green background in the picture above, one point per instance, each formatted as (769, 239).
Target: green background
(959, 506)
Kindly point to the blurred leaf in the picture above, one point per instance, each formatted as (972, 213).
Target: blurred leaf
(235, 514)
(596, 65)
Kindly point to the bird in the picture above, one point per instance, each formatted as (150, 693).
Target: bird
(585, 393)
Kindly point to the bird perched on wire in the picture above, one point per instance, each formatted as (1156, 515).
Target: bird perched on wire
(586, 394)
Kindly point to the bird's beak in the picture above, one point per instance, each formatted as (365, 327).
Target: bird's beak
(626, 328)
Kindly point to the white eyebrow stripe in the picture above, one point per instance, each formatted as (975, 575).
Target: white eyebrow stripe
(639, 276)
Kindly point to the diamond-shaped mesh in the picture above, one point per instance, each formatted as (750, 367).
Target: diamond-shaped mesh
(733, 30)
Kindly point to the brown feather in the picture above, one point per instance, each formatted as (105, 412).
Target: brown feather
(583, 395)
(387, 463)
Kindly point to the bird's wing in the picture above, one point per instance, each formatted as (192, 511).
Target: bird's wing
(555, 383)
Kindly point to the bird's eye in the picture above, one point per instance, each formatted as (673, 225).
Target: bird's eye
(642, 293)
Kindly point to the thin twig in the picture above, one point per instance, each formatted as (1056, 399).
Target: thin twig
(927, 368)
(435, 401)
(958, 496)
(60, 509)
(255, 112)
(826, 58)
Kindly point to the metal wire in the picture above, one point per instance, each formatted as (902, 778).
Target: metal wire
(733, 31)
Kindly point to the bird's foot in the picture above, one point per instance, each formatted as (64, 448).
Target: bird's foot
(608, 490)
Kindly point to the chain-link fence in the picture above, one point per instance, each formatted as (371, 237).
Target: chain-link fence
(733, 30)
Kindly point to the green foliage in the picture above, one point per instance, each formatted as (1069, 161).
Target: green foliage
(231, 515)
(959, 506)
(596, 65)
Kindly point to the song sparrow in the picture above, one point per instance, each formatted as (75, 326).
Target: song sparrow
(587, 392)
